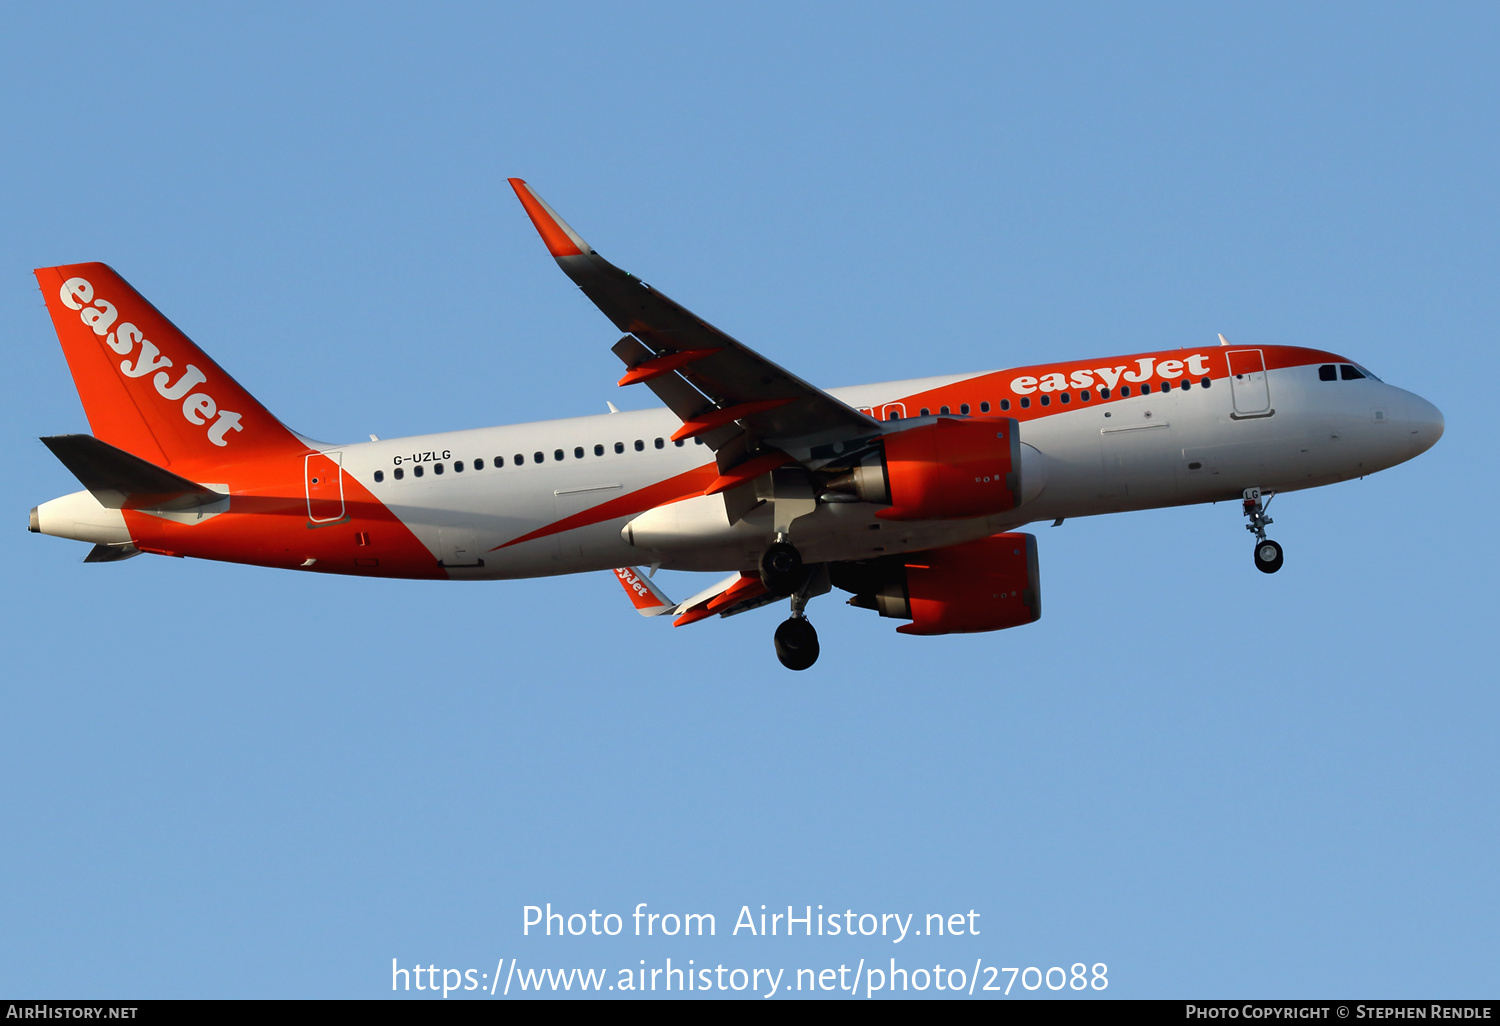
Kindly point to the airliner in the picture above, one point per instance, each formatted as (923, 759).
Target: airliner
(908, 495)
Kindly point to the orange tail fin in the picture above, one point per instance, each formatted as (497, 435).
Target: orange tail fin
(145, 386)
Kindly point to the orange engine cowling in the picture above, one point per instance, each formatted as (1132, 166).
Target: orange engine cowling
(951, 469)
(985, 585)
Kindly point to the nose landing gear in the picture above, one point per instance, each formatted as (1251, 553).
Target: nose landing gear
(1268, 556)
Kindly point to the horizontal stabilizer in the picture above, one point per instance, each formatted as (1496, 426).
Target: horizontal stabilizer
(111, 553)
(122, 481)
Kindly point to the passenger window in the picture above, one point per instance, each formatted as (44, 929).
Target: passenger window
(697, 439)
(519, 460)
(458, 466)
(1349, 372)
(1186, 384)
(379, 476)
(598, 450)
(1124, 391)
(399, 473)
(1103, 393)
(1206, 382)
(578, 453)
(479, 464)
(926, 412)
(1084, 397)
(1066, 397)
(619, 448)
(1146, 388)
(557, 454)
(985, 407)
(679, 443)
(537, 457)
(660, 444)
(417, 470)
(964, 409)
(1046, 400)
(944, 410)
(1004, 405)
(1026, 403)
(893, 415)
(640, 446)
(1328, 372)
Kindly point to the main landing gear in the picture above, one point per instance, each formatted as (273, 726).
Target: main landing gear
(781, 569)
(1268, 556)
(796, 643)
(784, 574)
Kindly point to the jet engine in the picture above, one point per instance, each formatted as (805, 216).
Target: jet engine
(949, 469)
(984, 585)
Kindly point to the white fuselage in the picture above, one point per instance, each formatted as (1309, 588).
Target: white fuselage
(1146, 451)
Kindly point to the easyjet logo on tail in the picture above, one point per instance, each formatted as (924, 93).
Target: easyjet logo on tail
(198, 408)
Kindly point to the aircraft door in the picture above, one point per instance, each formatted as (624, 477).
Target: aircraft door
(1247, 383)
(323, 474)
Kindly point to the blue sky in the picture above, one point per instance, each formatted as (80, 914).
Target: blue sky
(228, 781)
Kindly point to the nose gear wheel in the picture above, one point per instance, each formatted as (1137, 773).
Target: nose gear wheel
(1267, 556)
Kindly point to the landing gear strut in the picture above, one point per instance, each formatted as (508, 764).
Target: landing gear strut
(1268, 557)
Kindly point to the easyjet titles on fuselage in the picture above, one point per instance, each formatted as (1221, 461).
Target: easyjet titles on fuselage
(1146, 368)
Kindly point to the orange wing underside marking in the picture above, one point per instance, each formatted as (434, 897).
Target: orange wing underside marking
(673, 489)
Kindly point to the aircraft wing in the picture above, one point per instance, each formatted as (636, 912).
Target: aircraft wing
(736, 593)
(742, 405)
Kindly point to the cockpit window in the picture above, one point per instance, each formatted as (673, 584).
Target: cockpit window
(1328, 372)
(1349, 372)
(1365, 372)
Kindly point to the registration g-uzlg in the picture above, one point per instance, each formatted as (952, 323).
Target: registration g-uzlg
(908, 495)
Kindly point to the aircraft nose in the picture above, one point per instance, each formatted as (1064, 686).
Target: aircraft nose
(1426, 424)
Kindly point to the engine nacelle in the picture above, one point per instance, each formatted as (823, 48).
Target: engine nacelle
(951, 469)
(985, 585)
